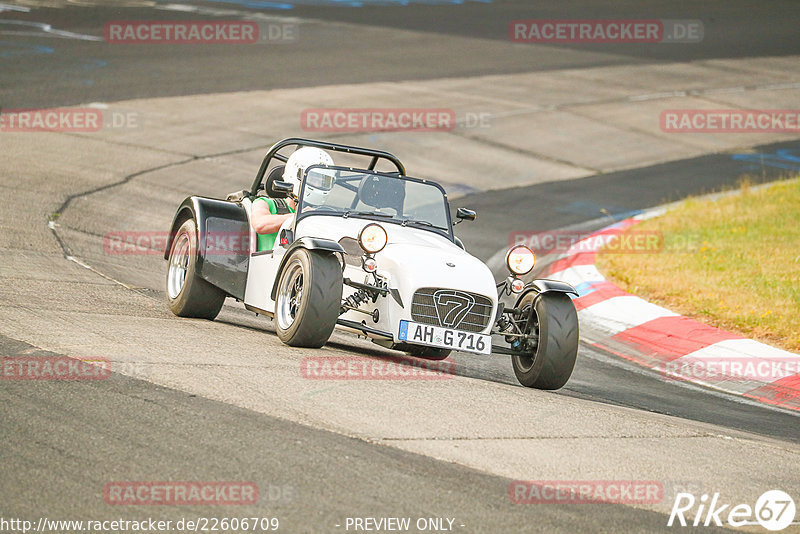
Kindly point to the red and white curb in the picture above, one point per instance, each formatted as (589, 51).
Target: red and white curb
(677, 347)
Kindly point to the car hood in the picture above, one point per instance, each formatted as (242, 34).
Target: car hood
(413, 265)
(413, 257)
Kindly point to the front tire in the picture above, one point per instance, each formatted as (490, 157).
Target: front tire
(549, 364)
(188, 295)
(309, 298)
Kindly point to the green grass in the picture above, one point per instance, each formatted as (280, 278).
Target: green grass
(733, 263)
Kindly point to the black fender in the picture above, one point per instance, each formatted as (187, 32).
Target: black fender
(224, 262)
(544, 285)
(308, 243)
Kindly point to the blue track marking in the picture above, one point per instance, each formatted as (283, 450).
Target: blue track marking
(92, 64)
(586, 287)
(257, 4)
(782, 159)
(21, 49)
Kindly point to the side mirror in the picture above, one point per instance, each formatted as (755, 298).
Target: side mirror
(283, 188)
(465, 214)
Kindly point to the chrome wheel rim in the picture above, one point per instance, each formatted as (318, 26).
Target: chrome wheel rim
(178, 265)
(290, 294)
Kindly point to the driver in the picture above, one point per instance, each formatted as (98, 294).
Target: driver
(269, 214)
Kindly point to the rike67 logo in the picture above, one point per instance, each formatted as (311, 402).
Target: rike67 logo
(774, 510)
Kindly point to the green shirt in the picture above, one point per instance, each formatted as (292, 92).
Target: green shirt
(267, 241)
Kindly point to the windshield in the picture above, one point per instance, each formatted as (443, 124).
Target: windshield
(356, 193)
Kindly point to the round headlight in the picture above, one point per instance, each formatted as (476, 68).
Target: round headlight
(372, 238)
(520, 260)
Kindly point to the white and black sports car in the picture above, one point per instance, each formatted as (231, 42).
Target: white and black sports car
(376, 255)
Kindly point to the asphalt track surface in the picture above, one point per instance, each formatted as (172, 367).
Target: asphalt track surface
(74, 435)
(310, 479)
(60, 71)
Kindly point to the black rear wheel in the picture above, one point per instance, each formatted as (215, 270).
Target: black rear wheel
(188, 295)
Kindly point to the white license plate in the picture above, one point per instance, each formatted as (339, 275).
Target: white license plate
(445, 338)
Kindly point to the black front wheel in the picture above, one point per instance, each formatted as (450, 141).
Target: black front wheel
(550, 358)
(309, 298)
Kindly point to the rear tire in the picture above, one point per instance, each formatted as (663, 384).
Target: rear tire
(309, 298)
(188, 295)
(549, 365)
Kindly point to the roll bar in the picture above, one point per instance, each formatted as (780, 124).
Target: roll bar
(273, 153)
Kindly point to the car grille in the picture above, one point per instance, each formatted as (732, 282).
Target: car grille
(451, 308)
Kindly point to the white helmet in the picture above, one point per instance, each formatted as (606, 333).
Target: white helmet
(319, 183)
(300, 160)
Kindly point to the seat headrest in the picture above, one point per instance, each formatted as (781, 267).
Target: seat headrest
(381, 192)
(275, 175)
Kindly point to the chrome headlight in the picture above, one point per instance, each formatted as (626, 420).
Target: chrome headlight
(520, 260)
(372, 238)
